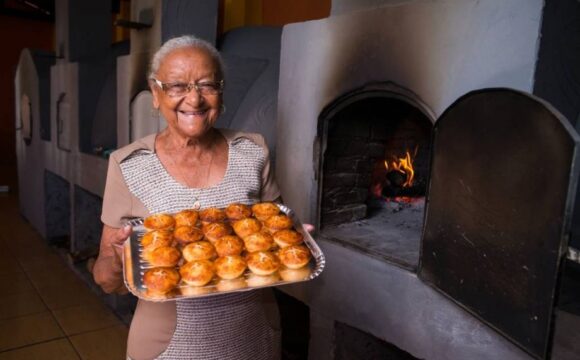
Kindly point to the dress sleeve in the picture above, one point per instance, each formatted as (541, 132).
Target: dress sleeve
(117, 197)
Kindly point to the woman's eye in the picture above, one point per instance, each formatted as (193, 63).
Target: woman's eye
(177, 87)
(209, 87)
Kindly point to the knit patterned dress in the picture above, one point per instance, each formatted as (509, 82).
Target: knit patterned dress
(220, 327)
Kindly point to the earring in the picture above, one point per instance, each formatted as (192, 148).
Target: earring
(222, 109)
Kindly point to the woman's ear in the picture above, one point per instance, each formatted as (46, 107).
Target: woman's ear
(155, 97)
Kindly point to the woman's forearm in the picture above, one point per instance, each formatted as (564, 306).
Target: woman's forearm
(108, 269)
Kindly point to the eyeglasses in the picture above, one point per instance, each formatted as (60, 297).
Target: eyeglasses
(179, 89)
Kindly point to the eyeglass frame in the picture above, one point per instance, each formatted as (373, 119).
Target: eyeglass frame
(190, 86)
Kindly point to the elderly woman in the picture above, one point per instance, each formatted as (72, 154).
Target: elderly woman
(188, 164)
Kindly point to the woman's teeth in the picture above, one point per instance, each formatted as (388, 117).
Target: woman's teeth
(192, 113)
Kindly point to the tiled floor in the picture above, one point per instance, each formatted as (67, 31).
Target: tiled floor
(46, 311)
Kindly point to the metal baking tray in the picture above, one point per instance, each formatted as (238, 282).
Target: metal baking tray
(134, 267)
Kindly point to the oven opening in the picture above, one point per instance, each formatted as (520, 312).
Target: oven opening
(375, 169)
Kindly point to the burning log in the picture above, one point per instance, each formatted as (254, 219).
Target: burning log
(396, 179)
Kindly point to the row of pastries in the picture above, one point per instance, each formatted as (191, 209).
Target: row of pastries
(237, 246)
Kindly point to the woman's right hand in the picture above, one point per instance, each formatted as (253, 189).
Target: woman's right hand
(108, 269)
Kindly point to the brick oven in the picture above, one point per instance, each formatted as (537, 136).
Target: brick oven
(422, 267)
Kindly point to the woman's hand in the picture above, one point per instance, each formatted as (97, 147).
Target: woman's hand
(108, 269)
(309, 227)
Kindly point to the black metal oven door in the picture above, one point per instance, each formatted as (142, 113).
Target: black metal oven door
(503, 182)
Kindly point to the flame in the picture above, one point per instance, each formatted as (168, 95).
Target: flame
(403, 165)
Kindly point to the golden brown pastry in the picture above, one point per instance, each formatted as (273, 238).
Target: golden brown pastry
(277, 223)
(264, 210)
(214, 231)
(238, 211)
(230, 267)
(294, 274)
(188, 290)
(255, 280)
(245, 227)
(186, 234)
(229, 245)
(162, 256)
(197, 273)
(262, 262)
(157, 238)
(231, 284)
(199, 250)
(260, 241)
(294, 256)
(211, 215)
(160, 280)
(285, 238)
(158, 222)
(187, 217)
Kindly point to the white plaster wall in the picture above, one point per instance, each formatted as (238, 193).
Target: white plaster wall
(345, 6)
(394, 305)
(30, 158)
(63, 79)
(438, 49)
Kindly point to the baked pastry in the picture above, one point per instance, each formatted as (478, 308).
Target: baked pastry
(195, 290)
(238, 211)
(285, 238)
(262, 262)
(255, 280)
(199, 250)
(245, 227)
(277, 223)
(157, 238)
(300, 274)
(231, 284)
(264, 210)
(187, 217)
(229, 245)
(230, 267)
(214, 231)
(186, 234)
(294, 256)
(162, 256)
(160, 280)
(260, 241)
(197, 273)
(211, 215)
(159, 221)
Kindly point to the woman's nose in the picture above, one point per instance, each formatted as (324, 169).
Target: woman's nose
(194, 96)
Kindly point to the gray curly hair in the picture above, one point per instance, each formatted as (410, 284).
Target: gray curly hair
(182, 42)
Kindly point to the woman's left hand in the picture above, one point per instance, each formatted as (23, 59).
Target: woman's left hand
(309, 227)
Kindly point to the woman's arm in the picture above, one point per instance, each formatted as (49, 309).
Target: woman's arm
(108, 269)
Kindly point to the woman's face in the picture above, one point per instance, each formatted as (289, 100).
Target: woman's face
(191, 114)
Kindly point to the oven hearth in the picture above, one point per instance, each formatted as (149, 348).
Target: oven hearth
(391, 231)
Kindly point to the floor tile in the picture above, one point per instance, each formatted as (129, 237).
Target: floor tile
(109, 343)
(31, 253)
(20, 304)
(45, 260)
(53, 350)
(14, 283)
(26, 330)
(68, 295)
(80, 319)
(9, 265)
(53, 276)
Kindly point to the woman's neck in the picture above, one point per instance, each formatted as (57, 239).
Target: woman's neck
(172, 141)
